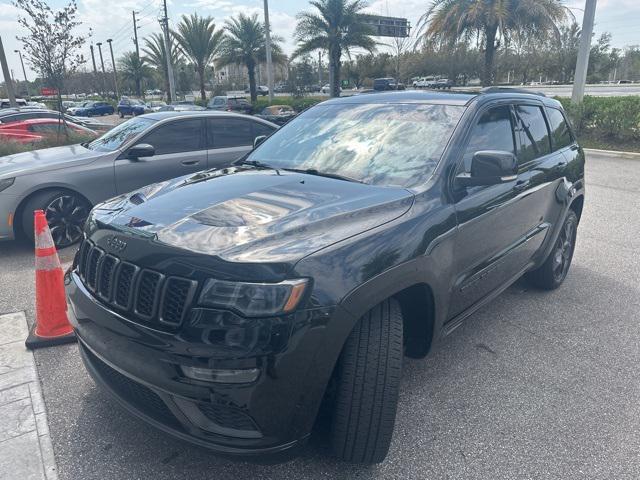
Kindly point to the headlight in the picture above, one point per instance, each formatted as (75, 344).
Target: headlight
(253, 299)
(6, 183)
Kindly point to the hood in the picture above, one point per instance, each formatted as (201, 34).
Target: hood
(247, 215)
(46, 159)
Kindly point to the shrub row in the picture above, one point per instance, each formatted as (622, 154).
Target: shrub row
(607, 118)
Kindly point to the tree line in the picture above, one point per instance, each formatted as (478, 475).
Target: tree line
(494, 41)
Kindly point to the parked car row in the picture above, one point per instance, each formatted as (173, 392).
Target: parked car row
(36, 130)
(433, 82)
(10, 115)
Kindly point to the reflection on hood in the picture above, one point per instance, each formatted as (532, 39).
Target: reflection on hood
(256, 215)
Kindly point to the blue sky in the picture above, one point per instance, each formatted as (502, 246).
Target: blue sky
(112, 19)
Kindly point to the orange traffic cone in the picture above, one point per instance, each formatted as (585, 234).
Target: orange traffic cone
(52, 326)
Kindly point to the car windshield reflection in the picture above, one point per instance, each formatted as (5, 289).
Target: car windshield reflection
(378, 144)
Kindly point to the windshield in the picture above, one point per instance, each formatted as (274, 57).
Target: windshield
(397, 144)
(116, 137)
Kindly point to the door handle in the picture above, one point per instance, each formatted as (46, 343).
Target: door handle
(186, 163)
(521, 185)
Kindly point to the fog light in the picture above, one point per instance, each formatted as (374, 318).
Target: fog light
(246, 375)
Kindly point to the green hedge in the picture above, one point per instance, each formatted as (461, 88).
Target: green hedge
(606, 118)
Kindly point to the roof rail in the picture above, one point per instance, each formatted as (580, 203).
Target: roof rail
(510, 90)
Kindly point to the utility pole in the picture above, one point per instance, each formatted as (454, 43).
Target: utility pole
(7, 79)
(24, 72)
(267, 36)
(104, 88)
(135, 33)
(113, 62)
(320, 68)
(582, 64)
(171, 94)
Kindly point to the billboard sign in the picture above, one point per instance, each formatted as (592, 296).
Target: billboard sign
(387, 26)
(48, 92)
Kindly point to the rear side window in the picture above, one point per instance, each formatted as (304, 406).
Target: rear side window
(229, 132)
(493, 131)
(175, 137)
(560, 132)
(534, 135)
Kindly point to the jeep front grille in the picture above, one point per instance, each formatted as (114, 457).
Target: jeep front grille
(142, 295)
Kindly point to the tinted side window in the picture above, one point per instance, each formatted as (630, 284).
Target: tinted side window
(560, 133)
(493, 131)
(534, 135)
(229, 132)
(261, 129)
(174, 137)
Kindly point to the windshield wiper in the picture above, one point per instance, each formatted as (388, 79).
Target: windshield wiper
(85, 144)
(259, 164)
(313, 171)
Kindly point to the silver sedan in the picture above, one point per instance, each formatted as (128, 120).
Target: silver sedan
(66, 181)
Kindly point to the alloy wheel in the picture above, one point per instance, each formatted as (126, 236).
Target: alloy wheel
(66, 216)
(564, 251)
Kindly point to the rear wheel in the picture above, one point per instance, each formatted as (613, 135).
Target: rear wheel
(555, 268)
(367, 384)
(120, 114)
(66, 214)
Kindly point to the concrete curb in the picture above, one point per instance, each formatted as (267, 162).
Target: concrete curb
(26, 451)
(614, 153)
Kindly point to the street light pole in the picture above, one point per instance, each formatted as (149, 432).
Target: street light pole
(99, 44)
(582, 63)
(267, 35)
(113, 62)
(24, 72)
(171, 94)
(7, 79)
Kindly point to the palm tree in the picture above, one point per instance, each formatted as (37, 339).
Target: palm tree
(200, 41)
(336, 28)
(134, 69)
(244, 43)
(448, 21)
(156, 56)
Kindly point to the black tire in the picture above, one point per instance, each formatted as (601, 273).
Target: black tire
(367, 384)
(66, 214)
(553, 271)
(120, 114)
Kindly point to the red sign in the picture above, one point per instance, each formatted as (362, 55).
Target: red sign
(46, 91)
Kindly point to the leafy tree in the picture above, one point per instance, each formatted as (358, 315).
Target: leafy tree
(337, 27)
(200, 42)
(50, 45)
(155, 55)
(133, 69)
(453, 20)
(244, 43)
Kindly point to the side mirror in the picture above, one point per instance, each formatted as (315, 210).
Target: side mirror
(258, 140)
(141, 150)
(490, 167)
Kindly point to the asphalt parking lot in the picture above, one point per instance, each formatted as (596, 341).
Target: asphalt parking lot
(535, 385)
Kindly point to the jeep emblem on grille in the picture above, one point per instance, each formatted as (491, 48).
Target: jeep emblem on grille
(117, 244)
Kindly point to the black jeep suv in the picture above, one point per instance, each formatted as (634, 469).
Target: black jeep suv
(225, 307)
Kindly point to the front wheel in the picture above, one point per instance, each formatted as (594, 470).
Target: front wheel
(553, 271)
(120, 114)
(66, 214)
(367, 385)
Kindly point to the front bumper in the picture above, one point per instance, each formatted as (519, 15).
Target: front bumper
(142, 368)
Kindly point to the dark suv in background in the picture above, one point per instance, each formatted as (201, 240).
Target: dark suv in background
(230, 104)
(225, 307)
